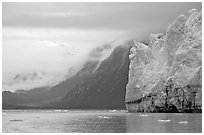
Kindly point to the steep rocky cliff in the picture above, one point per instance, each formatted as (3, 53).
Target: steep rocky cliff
(165, 76)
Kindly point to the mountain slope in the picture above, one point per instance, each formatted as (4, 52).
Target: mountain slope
(98, 85)
(22, 97)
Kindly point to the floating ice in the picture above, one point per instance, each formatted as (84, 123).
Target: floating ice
(144, 115)
(57, 110)
(113, 110)
(164, 120)
(183, 122)
(103, 117)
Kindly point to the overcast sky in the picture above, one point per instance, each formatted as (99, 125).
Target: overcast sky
(43, 42)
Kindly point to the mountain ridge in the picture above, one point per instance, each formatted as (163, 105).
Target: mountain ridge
(54, 97)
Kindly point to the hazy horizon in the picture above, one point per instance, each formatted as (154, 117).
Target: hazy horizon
(43, 42)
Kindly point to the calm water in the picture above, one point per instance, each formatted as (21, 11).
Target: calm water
(98, 121)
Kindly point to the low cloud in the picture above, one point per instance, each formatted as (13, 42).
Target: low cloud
(99, 52)
(55, 52)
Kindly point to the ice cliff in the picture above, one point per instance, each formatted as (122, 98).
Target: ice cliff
(165, 76)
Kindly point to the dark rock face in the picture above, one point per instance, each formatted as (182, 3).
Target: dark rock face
(100, 85)
(165, 76)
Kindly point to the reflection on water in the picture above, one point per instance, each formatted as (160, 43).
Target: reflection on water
(98, 121)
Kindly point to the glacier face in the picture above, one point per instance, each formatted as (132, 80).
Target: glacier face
(167, 73)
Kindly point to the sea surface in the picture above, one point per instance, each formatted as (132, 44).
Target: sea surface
(93, 121)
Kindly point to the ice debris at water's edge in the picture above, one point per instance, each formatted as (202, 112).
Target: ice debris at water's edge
(165, 76)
